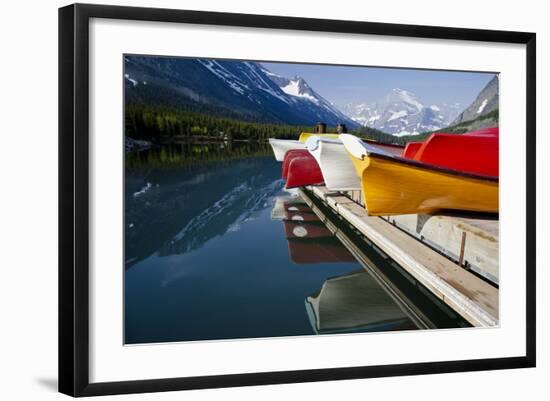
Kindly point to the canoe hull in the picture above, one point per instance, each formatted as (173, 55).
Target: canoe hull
(396, 150)
(472, 153)
(304, 136)
(391, 187)
(411, 149)
(302, 171)
(281, 146)
(289, 156)
(336, 167)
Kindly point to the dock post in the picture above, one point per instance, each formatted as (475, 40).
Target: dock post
(462, 247)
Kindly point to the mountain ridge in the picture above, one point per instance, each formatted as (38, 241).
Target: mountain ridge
(485, 102)
(237, 89)
(401, 113)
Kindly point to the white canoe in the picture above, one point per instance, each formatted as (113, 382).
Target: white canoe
(281, 146)
(336, 166)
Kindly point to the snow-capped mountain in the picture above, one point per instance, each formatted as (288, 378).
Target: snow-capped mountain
(485, 102)
(402, 113)
(236, 89)
(297, 87)
(300, 91)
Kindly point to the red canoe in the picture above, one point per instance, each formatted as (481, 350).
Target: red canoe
(291, 154)
(493, 131)
(474, 152)
(411, 149)
(302, 171)
(300, 168)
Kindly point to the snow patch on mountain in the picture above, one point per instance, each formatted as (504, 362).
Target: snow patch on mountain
(293, 89)
(408, 98)
(486, 101)
(255, 74)
(480, 110)
(217, 69)
(405, 133)
(397, 114)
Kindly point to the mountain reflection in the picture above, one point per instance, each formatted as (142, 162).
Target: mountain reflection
(176, 211)
(219, 250)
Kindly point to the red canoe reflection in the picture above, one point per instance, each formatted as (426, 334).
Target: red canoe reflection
(321, 250)
(309, 240)
(305, 230)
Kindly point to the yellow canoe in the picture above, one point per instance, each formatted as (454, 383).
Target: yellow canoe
(304, 136)
(393, 185)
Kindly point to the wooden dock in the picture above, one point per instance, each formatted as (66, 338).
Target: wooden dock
(472, 297)
(472, 242)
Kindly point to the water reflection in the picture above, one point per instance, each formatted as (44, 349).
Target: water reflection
(177, 211)
(309, 241)
(194, 154)
(218, 250)
(351, 302)
(355, 302)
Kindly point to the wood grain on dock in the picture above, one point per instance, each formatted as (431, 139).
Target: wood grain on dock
(470, 241)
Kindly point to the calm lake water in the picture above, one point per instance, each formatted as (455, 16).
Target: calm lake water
(216, 249)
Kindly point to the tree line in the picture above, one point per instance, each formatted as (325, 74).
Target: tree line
(160, 123)
(166, 124)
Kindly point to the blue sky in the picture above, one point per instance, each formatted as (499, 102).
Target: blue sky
(341, 85)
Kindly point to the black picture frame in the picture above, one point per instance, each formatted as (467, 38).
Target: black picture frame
(74, 198)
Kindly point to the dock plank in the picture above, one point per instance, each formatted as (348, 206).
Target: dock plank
(472, 241)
